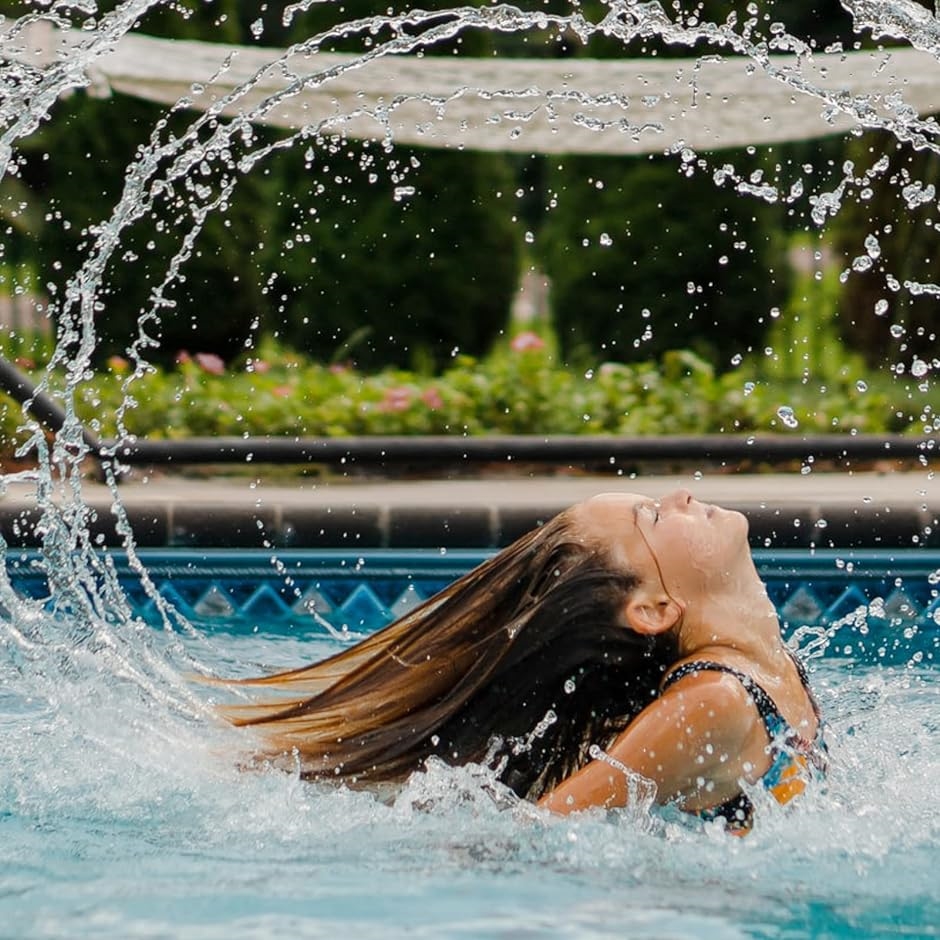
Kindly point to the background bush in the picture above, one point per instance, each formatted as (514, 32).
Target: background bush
(518, 389)
(317, 251)
(644, 259)
(385, 273)
(889, 239)
(346, 251)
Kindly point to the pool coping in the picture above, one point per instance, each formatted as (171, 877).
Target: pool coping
(891, 509)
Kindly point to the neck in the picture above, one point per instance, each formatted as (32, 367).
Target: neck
(741, 620)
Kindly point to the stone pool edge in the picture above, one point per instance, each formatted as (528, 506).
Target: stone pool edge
(822, 510)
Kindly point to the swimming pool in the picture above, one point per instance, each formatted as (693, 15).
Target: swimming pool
(124, 812)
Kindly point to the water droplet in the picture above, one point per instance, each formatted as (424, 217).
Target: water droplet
(570, 686)
(257, 28)
(697, 475)
(861, 385)
(403, 192)
(605, 240)
(749, 387)
(897, 331)
(529, 238)
(786, 415)
(736, 359)
(919, 368)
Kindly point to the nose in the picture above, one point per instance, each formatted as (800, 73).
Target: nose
(679, 500)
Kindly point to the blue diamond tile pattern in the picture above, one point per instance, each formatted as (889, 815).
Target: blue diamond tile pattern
(215, 603)
(802, 606)
(880, 595)
(362, 610)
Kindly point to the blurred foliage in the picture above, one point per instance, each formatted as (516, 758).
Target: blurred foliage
(344, 250)
(349, 252)
(888, 242)
(79, 169)
(380, 272)
(520, 388)
(644, 258)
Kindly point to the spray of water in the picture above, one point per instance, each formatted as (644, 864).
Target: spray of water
(113, 731)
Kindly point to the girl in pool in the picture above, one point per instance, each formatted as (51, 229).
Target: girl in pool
(627, 636)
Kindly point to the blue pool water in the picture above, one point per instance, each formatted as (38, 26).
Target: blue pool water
(123, 812)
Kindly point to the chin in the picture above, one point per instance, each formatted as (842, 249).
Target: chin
(745, 528)
(735, 520)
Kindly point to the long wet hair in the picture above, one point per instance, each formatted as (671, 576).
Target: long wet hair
(522, 664)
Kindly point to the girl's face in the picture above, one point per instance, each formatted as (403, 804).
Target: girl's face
(689, 549)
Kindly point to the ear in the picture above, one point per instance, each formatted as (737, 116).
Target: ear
(650, 613)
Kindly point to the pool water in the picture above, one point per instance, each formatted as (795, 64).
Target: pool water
(123, 813)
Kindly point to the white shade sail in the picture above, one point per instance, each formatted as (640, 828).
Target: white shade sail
(627, 106)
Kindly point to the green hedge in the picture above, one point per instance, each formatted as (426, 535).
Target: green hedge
(520, 389)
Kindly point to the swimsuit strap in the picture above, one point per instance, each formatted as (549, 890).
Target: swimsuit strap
(766, 707)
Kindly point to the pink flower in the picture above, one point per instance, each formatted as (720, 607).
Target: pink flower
(339, 368)
(527, 342)
(183, 358)
(396, 399)
(118, 364)
(259, 366)
(211, 363)
(282, 391)
(432, 398)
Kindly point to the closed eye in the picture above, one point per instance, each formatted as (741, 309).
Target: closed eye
(652, 508)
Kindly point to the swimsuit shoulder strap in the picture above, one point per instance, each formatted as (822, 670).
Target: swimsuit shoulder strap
(766, 707)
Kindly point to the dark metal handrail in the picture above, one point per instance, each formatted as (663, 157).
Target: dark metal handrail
(558, 450)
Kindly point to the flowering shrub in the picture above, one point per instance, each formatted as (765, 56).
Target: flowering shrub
(518, 389)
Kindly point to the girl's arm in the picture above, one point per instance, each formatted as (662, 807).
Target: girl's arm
(693, 743)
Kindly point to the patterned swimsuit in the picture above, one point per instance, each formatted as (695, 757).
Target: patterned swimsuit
(794, 760)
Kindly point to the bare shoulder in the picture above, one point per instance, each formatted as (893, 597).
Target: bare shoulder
(713, 704)
(694, 742)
